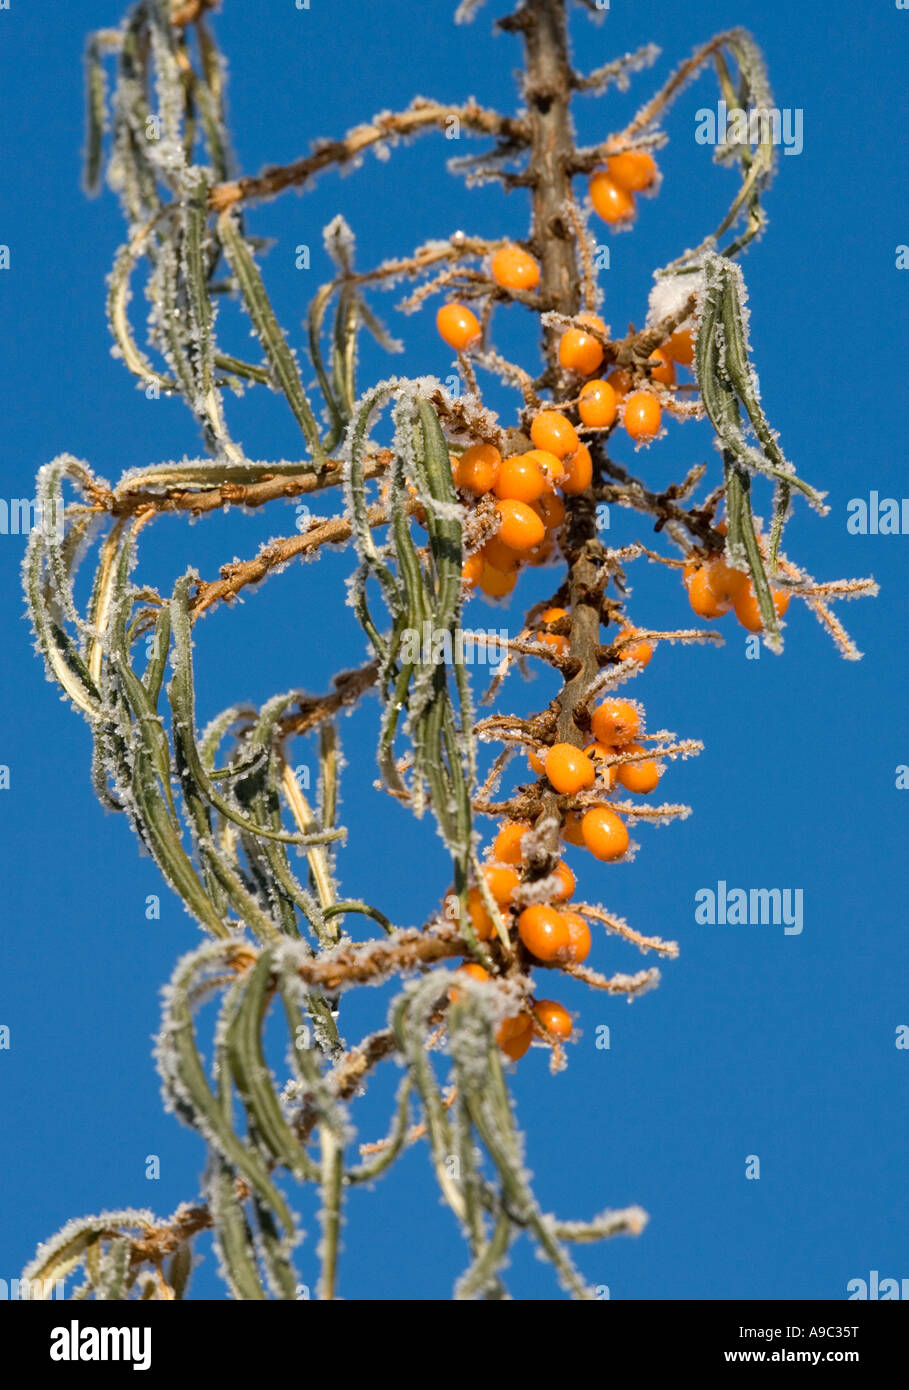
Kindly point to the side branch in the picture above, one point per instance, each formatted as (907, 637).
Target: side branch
(271, 487)
(388, 125)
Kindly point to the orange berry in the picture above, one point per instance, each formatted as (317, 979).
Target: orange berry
(598, 751)
(544, 932)
(475, 971)
(664, 371)
(472, 569)
(642, 415)
(579, 352)
(514, 1036)
(506, 847)
(551, 511)
(680, 347)
(554, 1018)
(571, 830)
(569, 769)
(519, 526)
(502, 883)
(517, 1023)
(580, 472)
(703, 597)
(555, 433)
(634, 170)
(541, 554)
(597, 404)
(747, 610)
(638, 777)
(579, 942)
(478, 468)
(620, 381)
(496, 583)
(615, 722)
(641, 652)
(480, 918)
(553, 467)
(605, 834)
(537, 761)
(553, 639)
(725, 581)
(567, 882)
(612, 202)
(520, 478)
(458, 326)
(515, 269)
(501, 556)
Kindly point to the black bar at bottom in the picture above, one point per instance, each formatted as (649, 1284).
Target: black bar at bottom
(64, 1338)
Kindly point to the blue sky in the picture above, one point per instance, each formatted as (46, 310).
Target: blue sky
(756, 1043)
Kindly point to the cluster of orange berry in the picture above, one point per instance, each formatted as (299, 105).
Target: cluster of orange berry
(529, 512)
(515, 1034)
(600, 401)
(551, 932)
(529, 509)
(525, 484)
(612, 189)
(715, 588)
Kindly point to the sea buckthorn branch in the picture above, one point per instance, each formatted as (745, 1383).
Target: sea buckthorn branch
(220, 810)
(617, 72)
(385, 128)
(457, 247)
(631, 986)
(471, 284)
(274, 556)
(92, 1241)
(663, 506)
(153, 488)
(620, 927)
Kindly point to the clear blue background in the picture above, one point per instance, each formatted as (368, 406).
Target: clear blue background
(755, 1043)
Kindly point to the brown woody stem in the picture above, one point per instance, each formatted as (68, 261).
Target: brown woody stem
(548, 88)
